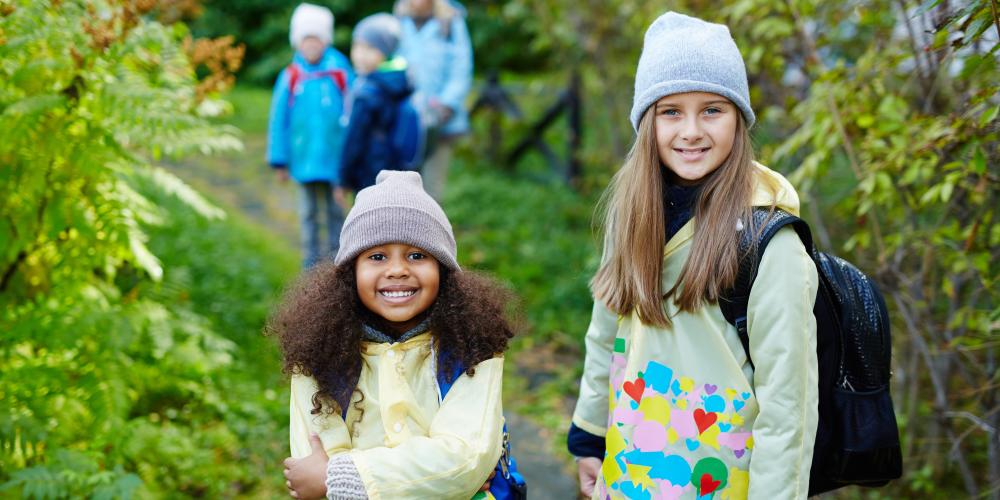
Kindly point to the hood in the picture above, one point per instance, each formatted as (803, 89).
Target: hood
(772, 187)
(391, 79)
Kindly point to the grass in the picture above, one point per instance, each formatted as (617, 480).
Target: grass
(229, 271)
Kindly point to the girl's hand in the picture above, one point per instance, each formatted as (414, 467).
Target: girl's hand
(587, 468)
(306, 477)
(486, 485)
(282, 174)
(340, 197)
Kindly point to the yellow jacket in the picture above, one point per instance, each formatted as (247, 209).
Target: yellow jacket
(688, 416)
(404, 441)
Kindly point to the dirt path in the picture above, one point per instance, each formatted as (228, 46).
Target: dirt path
(243, 182)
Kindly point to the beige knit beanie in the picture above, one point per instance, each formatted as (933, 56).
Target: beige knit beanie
(397, 210)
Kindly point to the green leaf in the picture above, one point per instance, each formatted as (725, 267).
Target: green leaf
(930, 195)
(978, 163)
(144, 258)
(925, 7)
(946, 190)
(988, 116)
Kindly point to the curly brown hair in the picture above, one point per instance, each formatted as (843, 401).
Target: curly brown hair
(318, 327)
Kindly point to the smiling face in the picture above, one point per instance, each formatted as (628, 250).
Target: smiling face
(694, 133)
(398, 282)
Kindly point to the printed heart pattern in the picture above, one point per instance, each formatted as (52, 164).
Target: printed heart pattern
(708, 485)
(704, 420)
(665, 419)
(634, 389)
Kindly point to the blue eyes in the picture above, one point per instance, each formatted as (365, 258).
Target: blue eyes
(675, 112)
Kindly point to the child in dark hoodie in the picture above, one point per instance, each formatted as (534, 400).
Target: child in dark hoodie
(374, 103)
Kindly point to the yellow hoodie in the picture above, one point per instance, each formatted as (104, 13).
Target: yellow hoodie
(688, 416)
(404, 440)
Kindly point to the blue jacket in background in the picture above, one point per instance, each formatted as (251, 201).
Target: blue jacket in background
(374, 106)
(307, 135)
(441, 66)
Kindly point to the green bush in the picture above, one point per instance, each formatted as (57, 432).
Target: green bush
(132, 361)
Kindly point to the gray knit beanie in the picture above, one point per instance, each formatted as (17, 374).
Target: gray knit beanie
(381, 31)
(685, 54)
(397, 210)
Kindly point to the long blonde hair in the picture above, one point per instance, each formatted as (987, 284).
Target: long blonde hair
(629, 277)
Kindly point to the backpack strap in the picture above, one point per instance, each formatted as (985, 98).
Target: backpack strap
(753, 241)
(446, 380)
(296, 75)
(338, 76)
(508, 483)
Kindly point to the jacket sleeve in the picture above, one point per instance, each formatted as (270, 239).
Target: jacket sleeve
(459, 79)
(278, 142)
(591, 414)
(782, 332)
(455, 458)
(355, 141)
(331, 428)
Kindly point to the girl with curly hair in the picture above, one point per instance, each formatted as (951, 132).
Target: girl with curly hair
(366, 341)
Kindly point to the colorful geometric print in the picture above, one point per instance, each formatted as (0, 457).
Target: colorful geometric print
(670, 437)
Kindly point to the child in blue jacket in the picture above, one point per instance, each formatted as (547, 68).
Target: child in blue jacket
(305, 134)
(374, 104)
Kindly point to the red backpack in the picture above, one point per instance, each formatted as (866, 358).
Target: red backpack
(296, 75)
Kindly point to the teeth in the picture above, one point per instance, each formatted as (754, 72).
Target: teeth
(396, 295)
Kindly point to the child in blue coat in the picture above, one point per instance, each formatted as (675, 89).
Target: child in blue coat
(374, 105)
(305, 134)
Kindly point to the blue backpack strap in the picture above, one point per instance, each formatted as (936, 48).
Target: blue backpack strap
(508, 484)
(446, 380)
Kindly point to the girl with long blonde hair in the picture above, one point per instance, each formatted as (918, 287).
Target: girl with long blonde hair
(670, 406)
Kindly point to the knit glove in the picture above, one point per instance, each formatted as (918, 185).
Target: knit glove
(343, 482)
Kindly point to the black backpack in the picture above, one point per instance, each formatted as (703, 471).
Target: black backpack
(857, 441)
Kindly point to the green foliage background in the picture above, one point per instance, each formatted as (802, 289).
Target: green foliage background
(131, 364)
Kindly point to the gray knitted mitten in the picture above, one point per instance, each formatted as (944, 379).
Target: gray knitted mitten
(343, 481)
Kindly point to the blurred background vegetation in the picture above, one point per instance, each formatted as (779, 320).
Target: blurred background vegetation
(143, 242)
